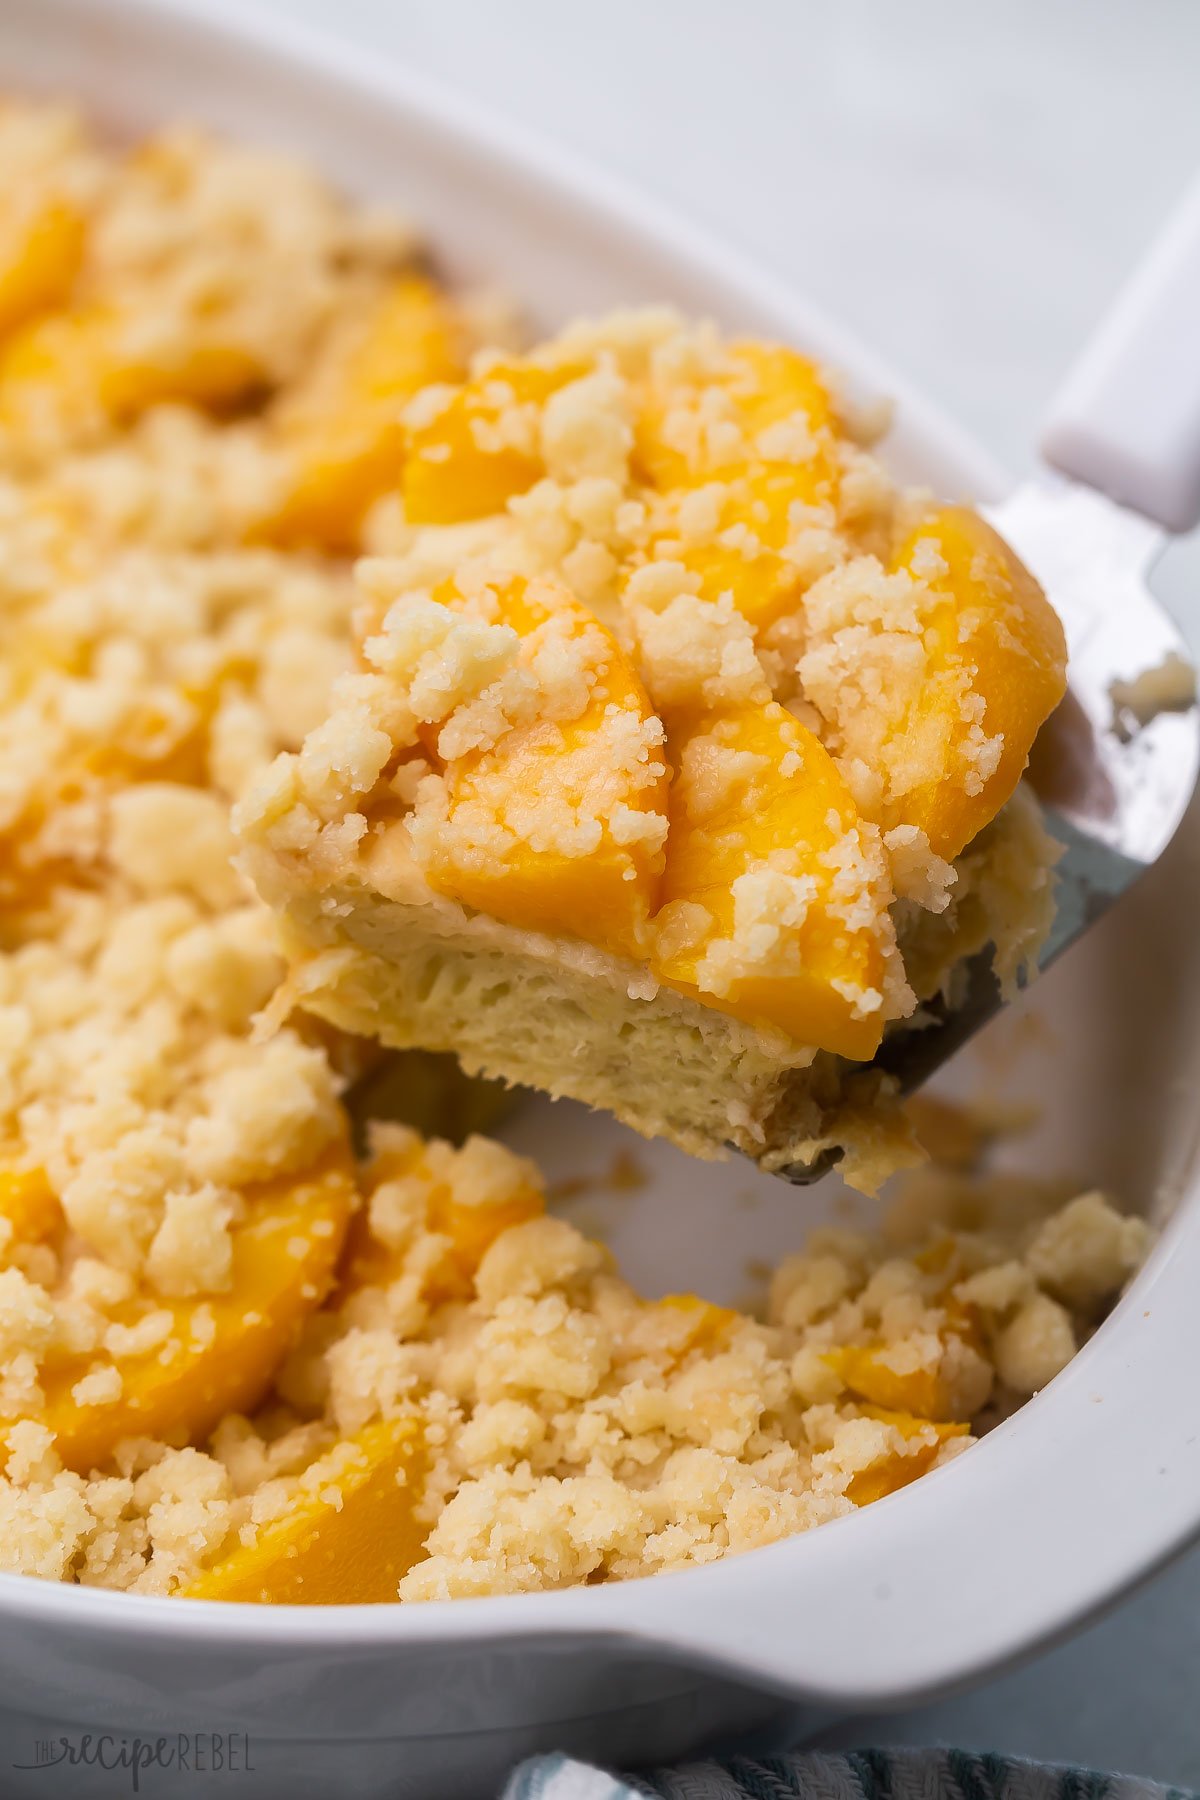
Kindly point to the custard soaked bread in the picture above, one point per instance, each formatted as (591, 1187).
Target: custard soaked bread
(682, 759)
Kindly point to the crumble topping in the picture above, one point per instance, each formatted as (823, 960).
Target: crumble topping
(865, 667)
(1170, 686)
(578, 1431)
(704, 502)
(216, 379)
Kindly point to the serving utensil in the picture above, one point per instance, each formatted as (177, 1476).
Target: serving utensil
(1116, 765)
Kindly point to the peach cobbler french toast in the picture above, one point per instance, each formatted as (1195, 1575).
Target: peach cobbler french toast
(683, 753)
(663, 753)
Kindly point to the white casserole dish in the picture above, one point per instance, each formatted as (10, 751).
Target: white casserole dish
(1091, 1486)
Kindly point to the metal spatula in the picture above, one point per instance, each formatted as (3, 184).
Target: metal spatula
(1124, 436)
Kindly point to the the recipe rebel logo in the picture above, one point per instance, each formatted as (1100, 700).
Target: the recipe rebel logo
(178, 1753)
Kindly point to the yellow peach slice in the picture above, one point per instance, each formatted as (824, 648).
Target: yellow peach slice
(216, 1355)
(732, 533)
(29, 1206)
(482, 444)
(471, 1228)
(346, 442)
(558, 826)
(929, 1393)
(704, 1322)
(996, 665)
(347, 1538)
(70, 374)
(211, 376)
(81, 364)
(158, 743)
(896, 1469)
(768, 404)
(774, 900)
(40, 254)
(734, 462)
(49, 379)
(866, 1373)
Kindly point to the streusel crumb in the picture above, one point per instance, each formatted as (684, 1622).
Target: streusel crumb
(240, 1359)
(667, 684)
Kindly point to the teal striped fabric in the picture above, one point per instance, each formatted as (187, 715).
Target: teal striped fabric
(854, 1775)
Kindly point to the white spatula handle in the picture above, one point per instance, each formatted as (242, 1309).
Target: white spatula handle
(1127, 420)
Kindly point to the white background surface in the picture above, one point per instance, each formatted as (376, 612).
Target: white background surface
(965, 186)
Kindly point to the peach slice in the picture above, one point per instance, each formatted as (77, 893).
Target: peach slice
(896, 1469)
(49, 377)
(769, 404)
(40, 254)
(732, 474)
(75, 371)
(471, 1228)
(996, 662)
(349, 1535)
(346, 439)
(704, 1323)
(937, 1393)
(482, 445)
(220, 1354)
(558, 826)
(733, 532)
(774, 898)
(868, 1376)
(28, 1204)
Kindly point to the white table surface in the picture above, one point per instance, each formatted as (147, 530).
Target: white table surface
(965, 186)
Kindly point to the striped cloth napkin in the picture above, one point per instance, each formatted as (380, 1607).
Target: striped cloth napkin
(854, 1775)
